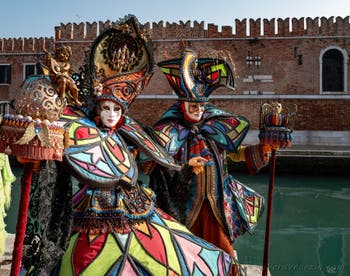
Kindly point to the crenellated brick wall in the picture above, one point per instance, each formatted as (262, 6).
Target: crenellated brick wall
(26, 45)
(289, 50)
(257, 28)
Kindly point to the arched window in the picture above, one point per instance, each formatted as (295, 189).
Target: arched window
(333, 70)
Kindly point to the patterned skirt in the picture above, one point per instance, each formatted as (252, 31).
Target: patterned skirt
(159, 246)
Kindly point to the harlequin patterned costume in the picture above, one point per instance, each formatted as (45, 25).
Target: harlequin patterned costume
(117, 229)
(235, 207)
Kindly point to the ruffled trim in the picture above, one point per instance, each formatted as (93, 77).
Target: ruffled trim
(118, 225)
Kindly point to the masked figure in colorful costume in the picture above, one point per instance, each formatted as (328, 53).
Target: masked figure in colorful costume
(117, 229)
(211, 203)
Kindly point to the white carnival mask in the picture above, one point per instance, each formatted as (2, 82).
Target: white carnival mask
(110, 113)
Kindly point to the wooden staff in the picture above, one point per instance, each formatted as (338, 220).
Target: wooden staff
(21, 225)
(275, 130)
(269, 212)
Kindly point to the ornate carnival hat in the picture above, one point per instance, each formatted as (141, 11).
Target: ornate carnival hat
(120, 63)
(193, 78)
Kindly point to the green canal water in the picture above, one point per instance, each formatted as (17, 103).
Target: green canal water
(310, 232)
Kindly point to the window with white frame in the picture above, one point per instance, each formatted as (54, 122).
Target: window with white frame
(5, 74)
(29, 69)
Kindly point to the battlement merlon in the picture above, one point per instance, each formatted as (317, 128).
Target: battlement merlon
(26, 45)
(245, 28)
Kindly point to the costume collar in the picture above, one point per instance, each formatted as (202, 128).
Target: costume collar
(225, 129)
(211, 111)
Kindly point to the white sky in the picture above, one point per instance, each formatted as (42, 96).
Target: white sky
(37, 18)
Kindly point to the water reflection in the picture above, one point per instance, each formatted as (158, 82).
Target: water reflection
(310, 231)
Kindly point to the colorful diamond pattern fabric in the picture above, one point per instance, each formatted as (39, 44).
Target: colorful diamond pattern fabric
(159, 247)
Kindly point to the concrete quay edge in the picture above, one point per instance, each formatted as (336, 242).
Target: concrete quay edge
(327, 151)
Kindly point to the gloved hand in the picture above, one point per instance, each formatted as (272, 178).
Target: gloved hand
(267, 149)
(197, 163)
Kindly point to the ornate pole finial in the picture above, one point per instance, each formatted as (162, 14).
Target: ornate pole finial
(276, 125)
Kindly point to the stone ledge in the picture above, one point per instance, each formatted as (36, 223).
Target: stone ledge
(252, 270)
(6, 258)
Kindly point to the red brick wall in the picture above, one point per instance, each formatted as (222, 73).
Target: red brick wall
(311, 114)
(279, 51)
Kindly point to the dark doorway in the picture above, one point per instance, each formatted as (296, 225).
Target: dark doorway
(333, 71)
